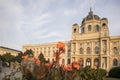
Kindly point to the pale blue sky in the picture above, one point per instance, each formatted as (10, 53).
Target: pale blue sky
(44, 21)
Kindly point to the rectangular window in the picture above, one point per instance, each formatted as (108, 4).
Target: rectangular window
(104, 44)
(74, 45)
(68, 61)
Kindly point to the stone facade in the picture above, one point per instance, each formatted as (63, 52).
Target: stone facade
(48, 50)
(91, 44)
(4, 50)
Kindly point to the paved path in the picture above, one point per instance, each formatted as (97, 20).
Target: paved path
(7, 71)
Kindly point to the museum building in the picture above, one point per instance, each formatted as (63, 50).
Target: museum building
(90, 44)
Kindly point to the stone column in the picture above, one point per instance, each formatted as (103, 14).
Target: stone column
(100, 61)
(92, 48)
(84, 62)
(101, 52)
(108, 64)
(71, 53)
(72, 49)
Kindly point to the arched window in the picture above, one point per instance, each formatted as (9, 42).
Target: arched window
(82, 30)
(115, 50)
(104, 25)
(63, 61)
(97, 50)
(88, 62)
(97, 28)
(81, 51)
(88, 50)
(96, 62)
(89, 28)
(115, 62)
(75, 30)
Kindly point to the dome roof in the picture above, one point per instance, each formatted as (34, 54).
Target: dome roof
(91, 16)
(75, 24)
(104, 19)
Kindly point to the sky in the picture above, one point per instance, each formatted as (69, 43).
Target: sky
(43, 21)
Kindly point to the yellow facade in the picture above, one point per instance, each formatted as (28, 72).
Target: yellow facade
(90, 44)
(4, 50)
(48, 50)
(93, 46)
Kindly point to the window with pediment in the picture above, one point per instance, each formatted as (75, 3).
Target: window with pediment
(81, 51)
(115, 50)
(88, 50)
(97, 50)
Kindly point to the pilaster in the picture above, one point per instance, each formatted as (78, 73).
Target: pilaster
(92, 62)
(84, 62)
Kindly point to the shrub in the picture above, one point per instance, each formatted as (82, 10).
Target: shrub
(115, 72)
(100, 73)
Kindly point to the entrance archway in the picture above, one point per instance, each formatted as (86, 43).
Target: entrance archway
(96, 62)
(88, 62)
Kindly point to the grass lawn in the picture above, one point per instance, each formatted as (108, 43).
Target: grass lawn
(111, 78)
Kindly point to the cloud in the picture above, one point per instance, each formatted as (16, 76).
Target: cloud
(33, 23)
(111, 11)
(70, 12)
(51, 34)
(10, 13)
(36, 21)
(92, 3)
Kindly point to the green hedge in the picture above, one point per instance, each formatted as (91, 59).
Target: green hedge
(115, 72)
(100, 73)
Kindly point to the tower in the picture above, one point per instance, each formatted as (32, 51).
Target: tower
(104, 42)
(93, 39)
(75, 31)
(104, 28)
